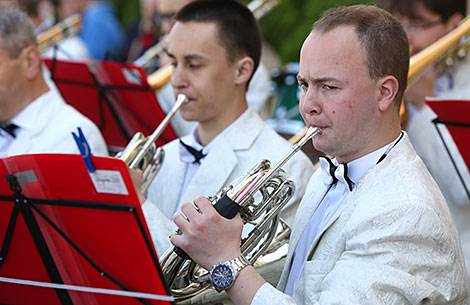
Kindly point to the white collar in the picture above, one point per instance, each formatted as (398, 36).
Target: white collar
(359, 167)
(27, 118)
(194, 141)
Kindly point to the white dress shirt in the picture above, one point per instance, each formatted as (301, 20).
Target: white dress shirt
(187, 157)
(330, 205)
(45, 126)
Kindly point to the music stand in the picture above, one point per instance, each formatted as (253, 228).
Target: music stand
(68, 240)
(115, 96)
(454, 114)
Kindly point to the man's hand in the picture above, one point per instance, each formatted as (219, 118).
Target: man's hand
(137, 177)
(208, 238)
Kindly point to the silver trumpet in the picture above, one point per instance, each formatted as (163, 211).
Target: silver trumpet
(187, 280)
(141, 152)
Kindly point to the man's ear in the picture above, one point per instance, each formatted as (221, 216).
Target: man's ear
(244, 67)
(30, 61)
(388, 88)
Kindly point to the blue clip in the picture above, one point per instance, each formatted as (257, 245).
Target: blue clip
(85, 149)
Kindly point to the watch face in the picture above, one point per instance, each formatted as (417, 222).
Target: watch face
(222, 276)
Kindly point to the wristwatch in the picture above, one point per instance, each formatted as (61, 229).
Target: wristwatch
(223, 275)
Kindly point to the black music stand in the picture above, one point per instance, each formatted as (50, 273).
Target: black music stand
(454, 115)
(115, 96)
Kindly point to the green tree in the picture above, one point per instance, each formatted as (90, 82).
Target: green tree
(284, 28)
(287, 25)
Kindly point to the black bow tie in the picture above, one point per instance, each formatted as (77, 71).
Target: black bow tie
(198, 155)
(335, 175)
(9, 128)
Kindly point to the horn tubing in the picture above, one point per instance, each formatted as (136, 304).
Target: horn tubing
(151, 139)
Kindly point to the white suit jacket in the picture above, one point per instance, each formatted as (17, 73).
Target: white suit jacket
(49, 131)
(392, 241)
(430, 148)
(246, 143)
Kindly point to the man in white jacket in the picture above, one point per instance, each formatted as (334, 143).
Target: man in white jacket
(373, 227)
(214, 58)
(34, 119)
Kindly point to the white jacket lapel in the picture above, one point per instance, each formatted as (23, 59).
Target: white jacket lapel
(213, 173)
(170, 180)
(308, 205)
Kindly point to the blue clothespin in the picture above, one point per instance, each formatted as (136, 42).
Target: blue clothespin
(84, 148)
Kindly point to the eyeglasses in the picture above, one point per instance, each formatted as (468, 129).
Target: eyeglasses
(421, 26)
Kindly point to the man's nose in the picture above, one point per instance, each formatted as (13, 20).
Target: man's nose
(309, 103)
(178, 78)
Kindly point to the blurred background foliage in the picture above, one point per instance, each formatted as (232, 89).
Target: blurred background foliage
(284, 28)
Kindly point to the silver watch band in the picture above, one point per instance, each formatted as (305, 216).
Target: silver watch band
(238, 263)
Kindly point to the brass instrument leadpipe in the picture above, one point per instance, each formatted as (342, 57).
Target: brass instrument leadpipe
(64, 29)
(152, 52)
(311, 132)
(181, 99)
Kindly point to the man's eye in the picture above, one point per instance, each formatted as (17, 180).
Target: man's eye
(328, 87)
(303, 85)
(194, 66)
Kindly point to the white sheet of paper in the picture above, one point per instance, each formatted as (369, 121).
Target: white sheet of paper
(109, 181)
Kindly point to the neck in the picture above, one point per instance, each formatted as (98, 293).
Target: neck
(386, 132)
(208, 130)
(32, 92)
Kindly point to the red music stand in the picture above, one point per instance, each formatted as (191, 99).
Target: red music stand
(115, 96)
(454, 114)
(61, 230)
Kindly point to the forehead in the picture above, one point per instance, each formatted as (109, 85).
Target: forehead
(195, 37)
(332, 54)
(170, 6)
(417, 11)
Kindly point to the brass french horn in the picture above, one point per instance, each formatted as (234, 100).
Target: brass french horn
(185, 278)
(142, 153)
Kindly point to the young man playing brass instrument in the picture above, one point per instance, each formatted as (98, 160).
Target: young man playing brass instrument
(215, 48)
(372, 227)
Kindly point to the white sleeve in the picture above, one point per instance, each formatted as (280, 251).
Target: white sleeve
(159, 225)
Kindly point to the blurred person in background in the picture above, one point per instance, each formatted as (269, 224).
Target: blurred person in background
(41, 13)
(142, 34)
(100, 28)
(33, 118)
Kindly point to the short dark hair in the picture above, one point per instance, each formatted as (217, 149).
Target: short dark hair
(444, 8)
(237, 27)
(387, 51)
(16, 32)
